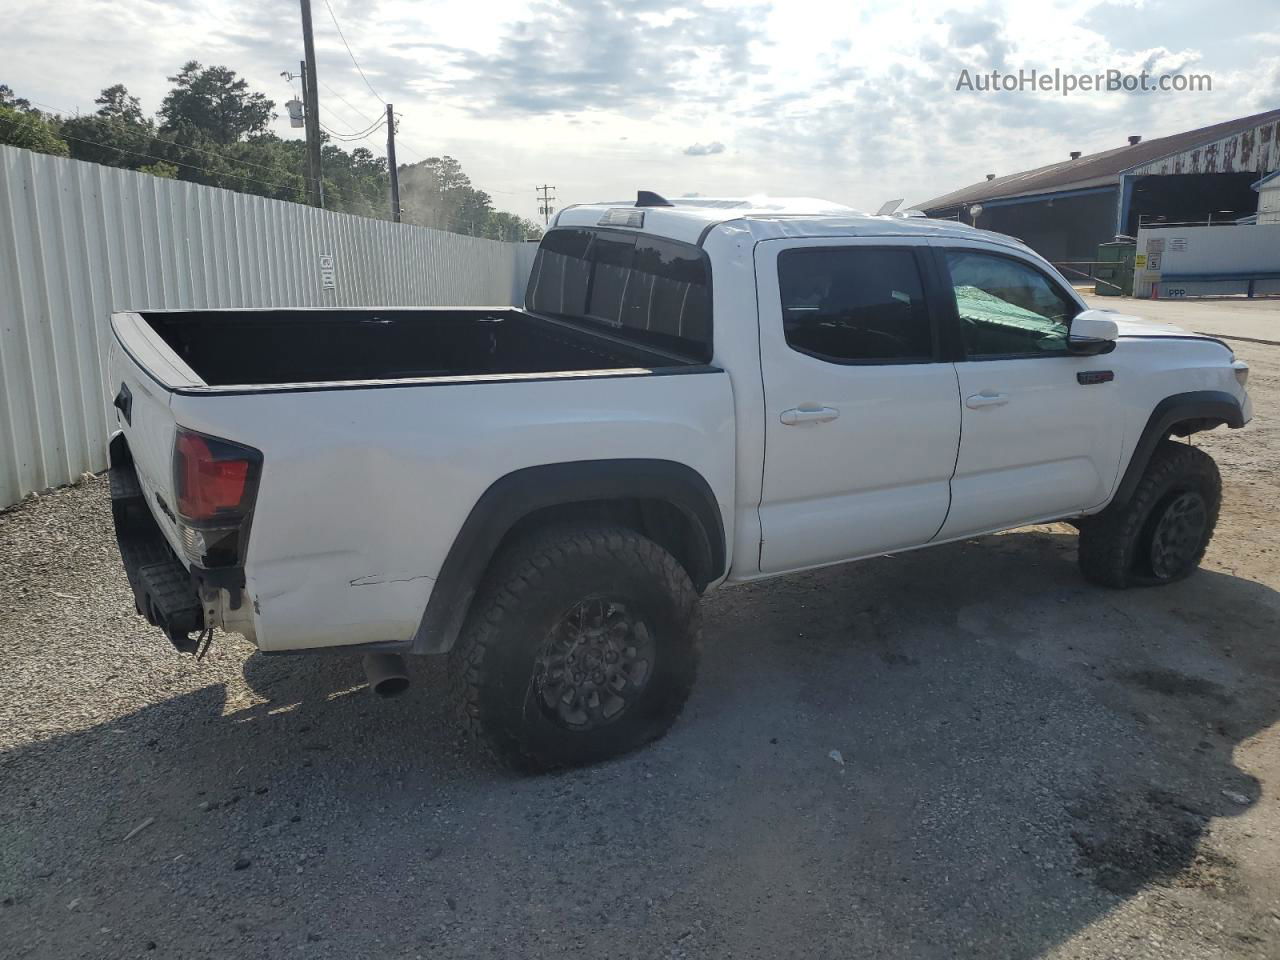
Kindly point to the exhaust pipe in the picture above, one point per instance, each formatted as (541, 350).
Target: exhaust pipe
(388, 675)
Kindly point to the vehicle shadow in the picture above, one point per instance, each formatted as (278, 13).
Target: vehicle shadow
(964, 751)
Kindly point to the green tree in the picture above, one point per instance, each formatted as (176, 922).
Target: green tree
(213, 131)
(267, 166)
(437, 193)
(161, 169)
(421, 199)
(501, 225)
(215, 102)
(448, 172)
(355, 182)
(11, 100)
(464, 205)
(30, 130)
(117, 135)
(474, 208)
(115, 103)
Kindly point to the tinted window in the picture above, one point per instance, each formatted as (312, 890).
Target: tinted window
(1007, 308)
(561, 273)
(611, 257)
(651, 290)
(855, 304)
(668, 294)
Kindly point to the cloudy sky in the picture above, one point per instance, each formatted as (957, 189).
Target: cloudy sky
(851, 102)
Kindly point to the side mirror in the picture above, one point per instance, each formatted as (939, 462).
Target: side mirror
(1091, 333)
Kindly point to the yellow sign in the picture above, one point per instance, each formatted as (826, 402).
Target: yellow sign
(1140, 260)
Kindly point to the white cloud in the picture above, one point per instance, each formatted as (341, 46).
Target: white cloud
(704, 149)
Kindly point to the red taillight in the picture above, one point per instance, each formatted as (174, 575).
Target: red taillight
(215, 483)
(213, 479)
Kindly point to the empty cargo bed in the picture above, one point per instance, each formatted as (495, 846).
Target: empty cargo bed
(232, 347)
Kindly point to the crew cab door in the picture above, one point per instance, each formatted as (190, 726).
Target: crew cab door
(1042, 427)
(862, 414)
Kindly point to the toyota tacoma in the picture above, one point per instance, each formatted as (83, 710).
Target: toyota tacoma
(694, 392)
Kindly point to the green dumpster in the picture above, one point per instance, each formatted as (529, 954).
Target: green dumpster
(1114, 272)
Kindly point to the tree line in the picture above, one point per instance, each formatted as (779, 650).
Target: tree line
(212, 129)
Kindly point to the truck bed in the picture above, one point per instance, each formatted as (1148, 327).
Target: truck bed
(263, 347)
(366, 479)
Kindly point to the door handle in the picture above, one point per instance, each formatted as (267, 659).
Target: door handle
(799, 415)
(980, 400)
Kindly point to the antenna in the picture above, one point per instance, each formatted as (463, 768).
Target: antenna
(647, 198)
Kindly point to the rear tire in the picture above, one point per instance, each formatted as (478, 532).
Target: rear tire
(1160, 535)
(582, 645)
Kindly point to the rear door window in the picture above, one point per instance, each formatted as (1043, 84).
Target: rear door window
(855, 304)
(649, 290)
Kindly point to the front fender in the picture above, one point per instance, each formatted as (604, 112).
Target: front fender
(1198, 409)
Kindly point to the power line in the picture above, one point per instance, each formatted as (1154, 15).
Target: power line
(354, 109)
(347, 137)
(365, 137)
(412, 148)
(334, 18)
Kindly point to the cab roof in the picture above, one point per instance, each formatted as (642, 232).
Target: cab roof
(690, 219)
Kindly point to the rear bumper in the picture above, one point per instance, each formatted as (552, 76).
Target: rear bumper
(163, 590)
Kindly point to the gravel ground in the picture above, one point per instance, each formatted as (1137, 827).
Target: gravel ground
(1028, 766)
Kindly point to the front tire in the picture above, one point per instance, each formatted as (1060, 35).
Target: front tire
(1160, 535)
(582, 645)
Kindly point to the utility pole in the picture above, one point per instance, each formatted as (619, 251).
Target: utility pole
(306, 122)
(311, 110)
(546, 195)
(394, 174)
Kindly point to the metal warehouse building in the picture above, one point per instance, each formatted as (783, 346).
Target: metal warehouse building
(1064, 210)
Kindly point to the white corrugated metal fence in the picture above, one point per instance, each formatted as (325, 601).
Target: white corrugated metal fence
(79, 240)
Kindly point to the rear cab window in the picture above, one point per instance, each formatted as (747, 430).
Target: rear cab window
(648, 290)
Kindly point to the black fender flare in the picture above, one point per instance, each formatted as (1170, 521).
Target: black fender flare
(1203, 408)
(521, 493)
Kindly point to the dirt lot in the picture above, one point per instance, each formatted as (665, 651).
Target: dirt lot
(1030, 767)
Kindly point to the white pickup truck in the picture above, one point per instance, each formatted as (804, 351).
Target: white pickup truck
(695, 392)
